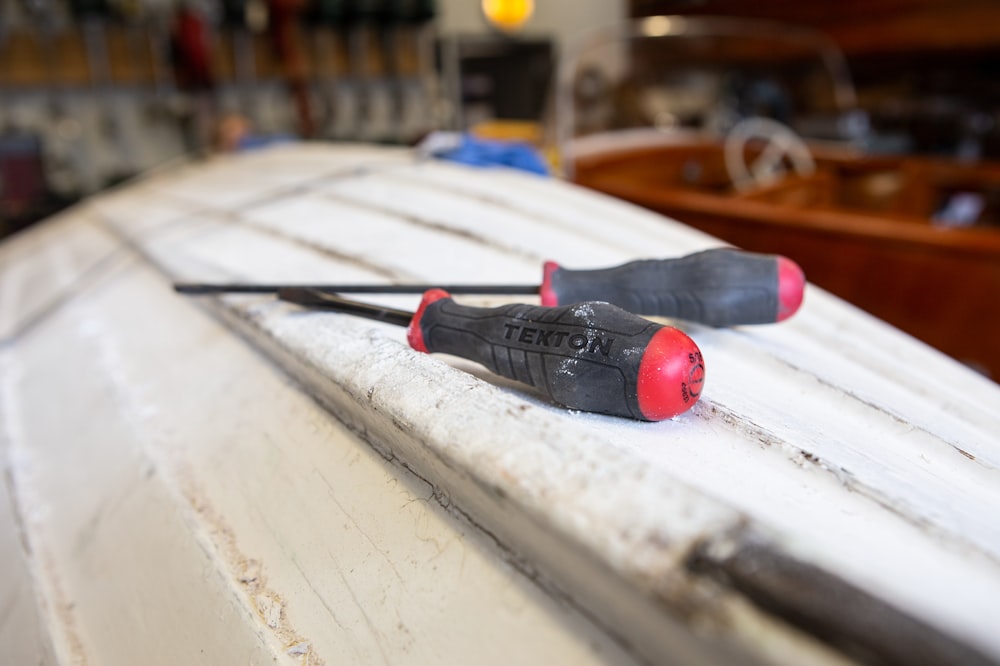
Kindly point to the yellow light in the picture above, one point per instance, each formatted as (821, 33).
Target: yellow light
(508, 15)
(661, 26)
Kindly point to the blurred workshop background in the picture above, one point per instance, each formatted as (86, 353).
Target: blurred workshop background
(95, 91)
(857, 137)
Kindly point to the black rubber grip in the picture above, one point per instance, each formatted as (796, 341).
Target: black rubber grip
(718, 287)
(587, 356)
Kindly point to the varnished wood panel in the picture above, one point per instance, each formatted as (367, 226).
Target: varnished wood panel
(938, 284)
(863, 27)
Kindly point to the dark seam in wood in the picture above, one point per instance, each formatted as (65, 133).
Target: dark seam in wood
(848, 619)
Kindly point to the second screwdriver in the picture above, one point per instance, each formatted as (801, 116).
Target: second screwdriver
(718, 287)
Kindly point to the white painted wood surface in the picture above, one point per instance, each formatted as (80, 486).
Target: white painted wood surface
(233, 480)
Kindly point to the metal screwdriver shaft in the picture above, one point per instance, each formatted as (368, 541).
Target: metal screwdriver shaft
(199, 288)
(312, 298)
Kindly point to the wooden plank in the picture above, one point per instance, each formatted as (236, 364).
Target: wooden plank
(102, 529)
(24, 636)
(39, 268)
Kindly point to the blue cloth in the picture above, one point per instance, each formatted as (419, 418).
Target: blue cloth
(480, 152)
(257, 141)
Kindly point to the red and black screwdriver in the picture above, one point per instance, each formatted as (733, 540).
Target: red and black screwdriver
(590, 356)
(718, 287)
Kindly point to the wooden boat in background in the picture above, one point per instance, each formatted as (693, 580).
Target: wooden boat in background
(680, 119)
(232, 479)
(867, 228)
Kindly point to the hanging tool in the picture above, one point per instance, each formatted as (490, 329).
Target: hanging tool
(191, 53)
(94, 17)
(286, 38)
(718, 287)
(594, 357)
(408, 46)
(68, 171)
(332, 22)
(160, 108)
(243, 19)
(368, 65)
(392, 49)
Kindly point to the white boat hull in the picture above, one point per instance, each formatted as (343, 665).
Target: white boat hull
(234, 480)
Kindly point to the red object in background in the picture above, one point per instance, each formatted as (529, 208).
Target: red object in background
(22, 175)
(191, 51)
(287, 40)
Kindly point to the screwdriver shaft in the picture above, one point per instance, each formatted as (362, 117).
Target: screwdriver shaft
(200, 288)
(312, 298)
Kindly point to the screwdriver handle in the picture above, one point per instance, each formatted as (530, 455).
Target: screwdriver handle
(718, 287)
(589, 356)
